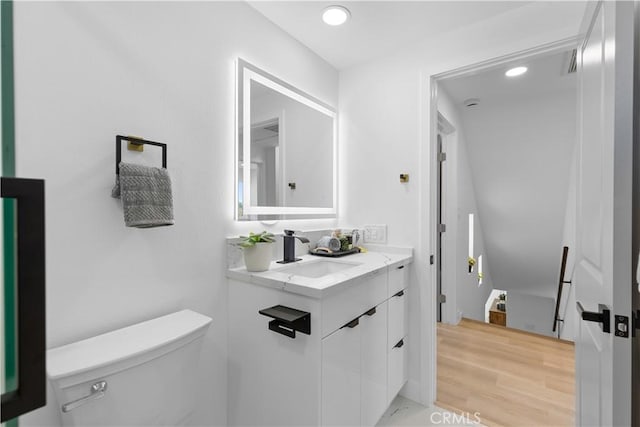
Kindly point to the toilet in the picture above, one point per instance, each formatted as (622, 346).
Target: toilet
(142, 375)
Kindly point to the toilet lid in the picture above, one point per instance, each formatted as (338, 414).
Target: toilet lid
(122, 348)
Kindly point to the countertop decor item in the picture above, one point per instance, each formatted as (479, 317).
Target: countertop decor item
(333, 254)
(332, 244)
(258, 250)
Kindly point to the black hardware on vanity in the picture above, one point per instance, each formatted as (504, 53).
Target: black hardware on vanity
(287, 320)
(290, 246)
(137, 141)
(355, 322)
(602, 316)
(400, 344)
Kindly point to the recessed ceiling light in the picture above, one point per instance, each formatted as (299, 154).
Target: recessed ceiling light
(335, 15)
(515, 71)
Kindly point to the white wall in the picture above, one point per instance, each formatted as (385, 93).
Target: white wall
(530, 312)
(385, 117)
(86, 71)
(465, 297)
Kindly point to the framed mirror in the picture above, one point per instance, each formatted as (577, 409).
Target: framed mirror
(286, 150)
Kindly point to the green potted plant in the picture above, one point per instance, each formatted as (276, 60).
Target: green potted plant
(258, 250)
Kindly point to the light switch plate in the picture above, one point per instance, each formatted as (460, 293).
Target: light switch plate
(375, 233)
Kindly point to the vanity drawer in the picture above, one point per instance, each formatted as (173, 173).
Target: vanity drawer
(397, 279)
(357, 298)
(397, 368)
(398, 317)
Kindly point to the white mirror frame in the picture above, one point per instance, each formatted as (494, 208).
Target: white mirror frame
(249, 73)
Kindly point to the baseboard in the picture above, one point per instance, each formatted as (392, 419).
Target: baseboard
(411, 390)
(519, 331)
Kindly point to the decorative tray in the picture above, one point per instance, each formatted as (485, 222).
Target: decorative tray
(334, 254)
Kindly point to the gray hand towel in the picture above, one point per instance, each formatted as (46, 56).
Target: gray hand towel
(146, 195)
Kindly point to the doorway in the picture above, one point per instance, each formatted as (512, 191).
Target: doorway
(505, 219)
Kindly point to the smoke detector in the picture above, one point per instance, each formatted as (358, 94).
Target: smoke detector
(471, 102)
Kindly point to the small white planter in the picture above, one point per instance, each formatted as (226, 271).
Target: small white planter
(258, 257)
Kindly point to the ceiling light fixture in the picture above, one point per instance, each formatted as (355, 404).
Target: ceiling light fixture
(517, 71)
(335, 15)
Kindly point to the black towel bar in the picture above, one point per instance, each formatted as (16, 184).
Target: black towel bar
(137, 141)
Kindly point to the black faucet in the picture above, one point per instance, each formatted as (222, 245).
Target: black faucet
(290, 246)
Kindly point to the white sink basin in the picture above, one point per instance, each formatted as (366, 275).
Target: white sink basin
(316, 269)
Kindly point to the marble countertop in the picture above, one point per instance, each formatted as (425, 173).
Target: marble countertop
(377, 257)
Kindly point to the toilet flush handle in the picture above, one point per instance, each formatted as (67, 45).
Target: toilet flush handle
(97, 391)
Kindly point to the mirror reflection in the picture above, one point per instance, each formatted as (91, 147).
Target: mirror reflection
(289, 139)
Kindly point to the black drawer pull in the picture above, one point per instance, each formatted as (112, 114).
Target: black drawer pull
(400, 344)
(401, 267)
(355, 322)
(371, 312)
(399, 294)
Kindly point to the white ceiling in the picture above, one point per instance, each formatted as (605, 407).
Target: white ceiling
(520, 141)
(545, 75)
(376, 28)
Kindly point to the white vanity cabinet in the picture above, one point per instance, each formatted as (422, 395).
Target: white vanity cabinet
(341, 376)
(398, 327)
(344, 373)
(354, 366)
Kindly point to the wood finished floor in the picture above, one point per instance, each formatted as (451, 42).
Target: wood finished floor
(512, 378)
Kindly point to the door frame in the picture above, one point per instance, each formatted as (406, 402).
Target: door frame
(428, 316)
(446, 131)
(635, 368)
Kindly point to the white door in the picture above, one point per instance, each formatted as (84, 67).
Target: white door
(603, 261)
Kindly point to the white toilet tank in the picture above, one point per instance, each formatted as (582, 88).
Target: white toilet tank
(150, 370)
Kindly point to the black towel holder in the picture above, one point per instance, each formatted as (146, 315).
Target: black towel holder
(287, 320)
(137, 141)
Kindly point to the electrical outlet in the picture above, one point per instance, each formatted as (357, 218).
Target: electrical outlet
(375, 234)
